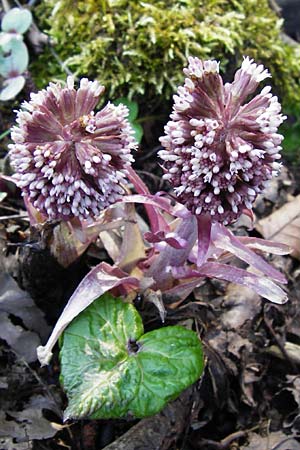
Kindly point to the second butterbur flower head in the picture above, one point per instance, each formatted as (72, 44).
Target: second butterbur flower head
(70, 161)
(220, 150)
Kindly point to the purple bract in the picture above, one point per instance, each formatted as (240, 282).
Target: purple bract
(220, 151)
(70, 161)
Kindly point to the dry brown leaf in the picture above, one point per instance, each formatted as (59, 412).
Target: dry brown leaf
(66, 247)
(24, 337)
(111, 241)
(277, 440)
(241, 304)
(29, 423)
(132, 249)
(283, 226)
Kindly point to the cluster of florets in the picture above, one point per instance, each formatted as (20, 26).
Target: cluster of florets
(70, 161)
(220, 151)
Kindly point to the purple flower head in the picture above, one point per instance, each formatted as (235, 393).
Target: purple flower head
(69, 160)
(219, 149)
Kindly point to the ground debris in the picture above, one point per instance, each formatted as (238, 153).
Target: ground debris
(22, 324)
(273, 441)
(283, 225)
(25, 402)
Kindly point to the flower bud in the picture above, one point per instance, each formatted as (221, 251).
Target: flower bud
(219, 149)
(69, 160)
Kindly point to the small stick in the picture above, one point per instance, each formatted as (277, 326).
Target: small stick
(14, 216)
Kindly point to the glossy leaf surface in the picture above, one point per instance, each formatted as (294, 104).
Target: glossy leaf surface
(97, 282)
(110, 369)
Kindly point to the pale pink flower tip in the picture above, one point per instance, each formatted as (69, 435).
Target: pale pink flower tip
(69, 160)
(219, 149)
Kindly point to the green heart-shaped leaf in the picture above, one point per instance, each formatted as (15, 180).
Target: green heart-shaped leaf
(109, 369)
(138, 131)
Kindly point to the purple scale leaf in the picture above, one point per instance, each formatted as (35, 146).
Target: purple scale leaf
(204, 237)
(157, 221)
(181, 291)
(99, 280)
(263, 286)
(152, 200)
(172, 239)
(265, 246)
(224, 239)
(169, 257)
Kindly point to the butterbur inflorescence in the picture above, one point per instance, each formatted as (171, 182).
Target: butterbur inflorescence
(219, 149)
(69, 160)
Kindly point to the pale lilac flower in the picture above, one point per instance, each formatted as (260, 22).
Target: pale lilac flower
(69, 160)
(219, 149)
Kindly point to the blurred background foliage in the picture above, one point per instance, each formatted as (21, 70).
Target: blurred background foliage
(137, 49)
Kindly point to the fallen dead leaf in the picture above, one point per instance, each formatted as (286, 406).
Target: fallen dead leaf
(23, 342)
(278, 441)
(16, 305)
(276, 191)
(28, 406)
(283, 226)
(292, 350)
(9, 444)
(240, 304)
(130, 254)
(30, 423)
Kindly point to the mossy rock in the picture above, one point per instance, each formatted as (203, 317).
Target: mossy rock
(138, 49)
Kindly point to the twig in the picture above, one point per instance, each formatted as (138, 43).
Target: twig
(276, 8)
(62, 64)
(44, 385)
(154, 177)
(224, 443)
(6, 6)
(9, 208)
(14, 216)
(280, 344)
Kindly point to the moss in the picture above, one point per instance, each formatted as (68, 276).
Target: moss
(138, 49)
